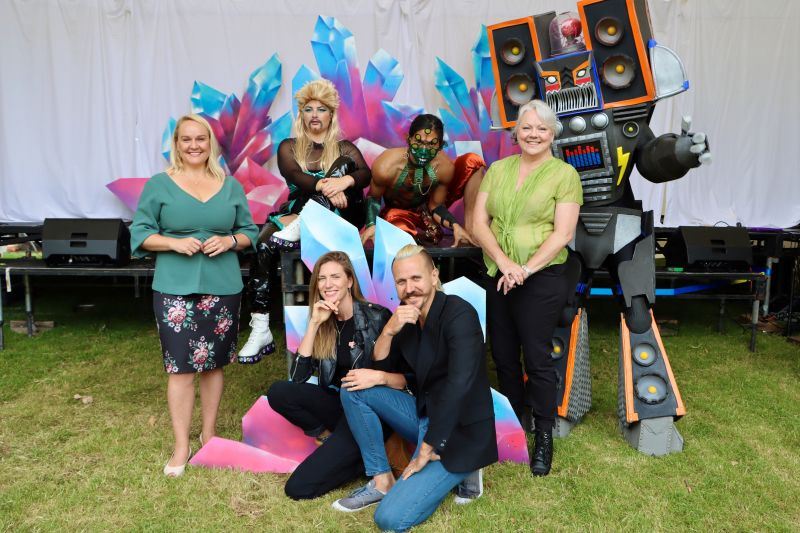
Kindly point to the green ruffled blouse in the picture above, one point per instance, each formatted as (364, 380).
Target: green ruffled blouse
(522, 220)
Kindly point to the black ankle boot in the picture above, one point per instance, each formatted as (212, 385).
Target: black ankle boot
(542, 457)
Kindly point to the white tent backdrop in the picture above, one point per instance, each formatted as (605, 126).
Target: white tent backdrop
(86, 87)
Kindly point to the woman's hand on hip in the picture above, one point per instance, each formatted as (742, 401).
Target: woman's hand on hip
(187, 246)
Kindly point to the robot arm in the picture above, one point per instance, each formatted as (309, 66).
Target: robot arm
(670, 156)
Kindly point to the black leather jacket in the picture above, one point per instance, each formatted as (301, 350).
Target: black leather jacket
(368, 322)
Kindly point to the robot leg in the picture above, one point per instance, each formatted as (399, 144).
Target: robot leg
(649, 401)
(571, 355)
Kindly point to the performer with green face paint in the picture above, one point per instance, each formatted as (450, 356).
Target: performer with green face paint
(417, 184)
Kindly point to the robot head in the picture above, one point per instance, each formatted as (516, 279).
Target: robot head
(569, 83)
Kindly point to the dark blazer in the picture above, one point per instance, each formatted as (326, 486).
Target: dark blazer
(448, 377)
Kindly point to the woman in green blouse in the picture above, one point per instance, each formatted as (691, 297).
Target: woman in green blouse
(194, 219)
(525, 214)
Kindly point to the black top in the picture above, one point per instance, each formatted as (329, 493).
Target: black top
(346, 334)
(294, 175)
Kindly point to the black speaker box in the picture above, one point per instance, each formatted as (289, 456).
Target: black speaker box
(86, 242)
(514, 49)
(701, 248)
(617, 33)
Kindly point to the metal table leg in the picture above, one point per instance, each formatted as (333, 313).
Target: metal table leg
(29, 306)
(754, 325)
(2, 339)
(791, 299)
(765, 306)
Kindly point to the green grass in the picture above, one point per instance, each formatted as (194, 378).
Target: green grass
(69, 466)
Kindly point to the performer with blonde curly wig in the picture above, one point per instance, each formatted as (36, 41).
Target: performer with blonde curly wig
(317, 165)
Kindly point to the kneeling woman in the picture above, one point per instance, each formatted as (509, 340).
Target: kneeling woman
(341, 333)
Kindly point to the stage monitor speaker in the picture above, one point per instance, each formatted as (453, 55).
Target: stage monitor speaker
(617, 33)
(701, 248)
(514, 51)
(79, 242)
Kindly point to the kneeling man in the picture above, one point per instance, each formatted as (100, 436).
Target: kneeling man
(436, 339)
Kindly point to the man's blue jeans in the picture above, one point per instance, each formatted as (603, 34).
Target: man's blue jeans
(410, 501)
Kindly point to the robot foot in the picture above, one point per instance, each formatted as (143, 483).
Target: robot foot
(654, 436)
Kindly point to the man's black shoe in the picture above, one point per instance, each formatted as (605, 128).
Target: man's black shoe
(542, 457)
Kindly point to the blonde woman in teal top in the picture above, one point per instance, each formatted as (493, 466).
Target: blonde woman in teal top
(194, 219)
(525, 214)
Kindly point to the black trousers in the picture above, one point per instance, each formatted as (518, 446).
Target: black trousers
(338, 460)
(310, 407)
(526, 318)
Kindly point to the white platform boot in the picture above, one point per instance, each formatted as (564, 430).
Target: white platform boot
(289, 237)
(260, 342)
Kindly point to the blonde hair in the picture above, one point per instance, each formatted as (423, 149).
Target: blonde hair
(325, 341)
(212, 163)
(324, 92)
(410, 250)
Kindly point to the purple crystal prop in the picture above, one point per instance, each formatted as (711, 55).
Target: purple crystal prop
(367, 110)
(295, 317)
(323, 231)
(471, 292)
(466, 117)
(388, 240)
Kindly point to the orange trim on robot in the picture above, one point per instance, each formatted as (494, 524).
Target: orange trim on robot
(573, 342)
(499, 87)
(644, 64)
(630, 413)
(680, 409)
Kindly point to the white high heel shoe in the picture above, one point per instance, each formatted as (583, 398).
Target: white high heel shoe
(176, 471)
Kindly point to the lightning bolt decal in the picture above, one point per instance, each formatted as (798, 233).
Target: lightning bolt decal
(622, 161)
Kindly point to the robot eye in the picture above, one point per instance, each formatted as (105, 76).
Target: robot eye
(551, 79)
(581, 73)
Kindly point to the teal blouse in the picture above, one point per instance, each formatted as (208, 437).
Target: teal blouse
(166, 209)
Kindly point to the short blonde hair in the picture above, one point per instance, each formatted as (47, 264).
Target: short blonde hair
(212, 163)
(544, 112)
(410, 250)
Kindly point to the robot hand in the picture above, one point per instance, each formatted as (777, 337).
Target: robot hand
(693, 143)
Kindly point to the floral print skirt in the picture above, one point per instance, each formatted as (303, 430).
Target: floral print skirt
(198, 331)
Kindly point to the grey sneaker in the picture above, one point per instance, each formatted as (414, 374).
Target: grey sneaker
(361, 498)
(470, 489)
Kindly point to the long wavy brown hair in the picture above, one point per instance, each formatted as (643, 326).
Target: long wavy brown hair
(324, 92)
(325, 340)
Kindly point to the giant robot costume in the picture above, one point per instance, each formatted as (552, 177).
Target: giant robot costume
(602, 73)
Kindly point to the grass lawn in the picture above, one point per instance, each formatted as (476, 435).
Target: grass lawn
(66, 465)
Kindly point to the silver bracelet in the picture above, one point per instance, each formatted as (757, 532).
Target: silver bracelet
(527, 270)
(235, 242)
